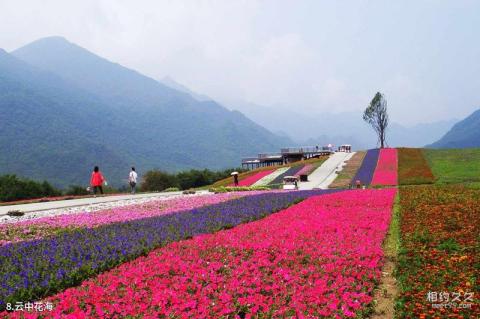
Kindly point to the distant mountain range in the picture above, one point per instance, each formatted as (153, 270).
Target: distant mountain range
(465, 133)
(64, 109)
(322, 128)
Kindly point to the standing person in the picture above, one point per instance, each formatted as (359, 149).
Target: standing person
(97, 180)
(132, 179)
(235, 180)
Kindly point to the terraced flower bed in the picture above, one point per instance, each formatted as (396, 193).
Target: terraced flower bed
(413, 167)
(387, 166)
(241, 176)
(250, 180)
(439, 259)
(31, 270)
(306, 170)
(292, 171)
(347, 174)
(269, 178)
(320, 258)
(367, 169)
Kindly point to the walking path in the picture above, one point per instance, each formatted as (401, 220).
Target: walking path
(37, 210)
(323, 176)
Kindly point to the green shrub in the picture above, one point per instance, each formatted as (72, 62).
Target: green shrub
(13, 188)
(157, 181)
(76, 190)
(172, 189)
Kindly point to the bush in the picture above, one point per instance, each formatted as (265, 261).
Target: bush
(198, 178)
(172, 189)
(76, 190)
(13, 188)
(157, 181)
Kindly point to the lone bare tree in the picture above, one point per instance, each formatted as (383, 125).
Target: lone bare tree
(376, 115)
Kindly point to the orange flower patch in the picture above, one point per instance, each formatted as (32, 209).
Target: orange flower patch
(438, 263)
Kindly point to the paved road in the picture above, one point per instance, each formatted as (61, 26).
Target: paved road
(324, 175)
(34, 207)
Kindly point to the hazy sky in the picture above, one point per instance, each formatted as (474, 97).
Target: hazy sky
(308, 55)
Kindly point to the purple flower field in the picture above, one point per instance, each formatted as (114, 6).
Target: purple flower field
(365, 172)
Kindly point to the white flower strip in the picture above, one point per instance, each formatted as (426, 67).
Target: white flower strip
(270, 177)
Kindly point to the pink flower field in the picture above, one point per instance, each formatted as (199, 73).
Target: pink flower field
(386, 170)
(41, 227)
(250, 180)
(306, 170)
(319, 258)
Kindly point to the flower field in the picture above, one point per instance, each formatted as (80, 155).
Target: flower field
(439, 260)
(269, 178)
(319, 258)
(306, 170)
(290, 172)
(65, 259)
(241, 176)
(250, 180)
(413, 168)
(347, 174)
(261, 254)
(386, 170)
(48, 226)
(367, 169)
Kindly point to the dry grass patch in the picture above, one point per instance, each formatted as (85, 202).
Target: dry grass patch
(344, 178)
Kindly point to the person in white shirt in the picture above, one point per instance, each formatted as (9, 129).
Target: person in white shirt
(132, 179)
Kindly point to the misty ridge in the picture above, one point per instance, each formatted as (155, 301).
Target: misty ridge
(73, 109)
(69, 109)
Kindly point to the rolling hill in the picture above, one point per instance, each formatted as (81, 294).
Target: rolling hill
(66, 109)
(464, 134)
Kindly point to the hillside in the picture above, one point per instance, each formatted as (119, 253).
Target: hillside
(465, 133)
(67, 109)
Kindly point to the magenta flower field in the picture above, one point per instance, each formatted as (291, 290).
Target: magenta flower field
(386, 170)
(321, 257)
(250, 180)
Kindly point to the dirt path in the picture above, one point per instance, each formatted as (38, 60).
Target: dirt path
(385, 294)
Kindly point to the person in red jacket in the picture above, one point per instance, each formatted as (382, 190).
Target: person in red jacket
(97, 180)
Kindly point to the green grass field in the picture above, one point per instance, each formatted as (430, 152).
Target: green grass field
(454, 166)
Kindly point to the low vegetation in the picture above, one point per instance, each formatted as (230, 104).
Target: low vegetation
(345, 176)
(455, 166)
(157, 180)
(13, 188)
(228, 180)
(413, 168)
(438, 258)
